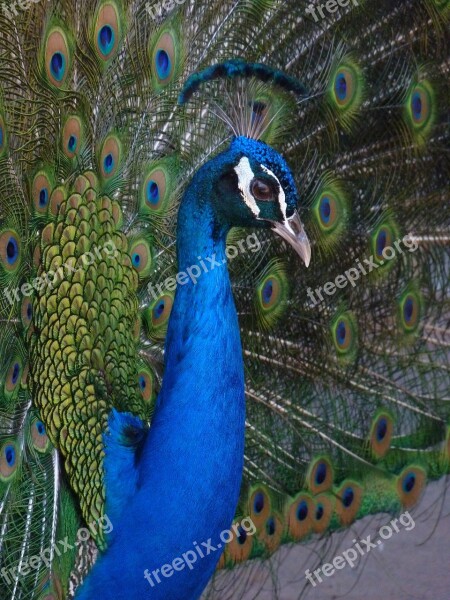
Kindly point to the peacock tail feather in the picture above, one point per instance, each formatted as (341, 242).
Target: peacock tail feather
(347, 364)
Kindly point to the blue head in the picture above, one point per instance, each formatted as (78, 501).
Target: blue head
(251, 185)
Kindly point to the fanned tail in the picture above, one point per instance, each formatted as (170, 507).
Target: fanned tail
(347, 364)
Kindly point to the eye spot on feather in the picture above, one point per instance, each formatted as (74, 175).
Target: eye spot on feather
(320, 475)
(259, 506)
(41, 190)
(165, 58)
(166, 53)
(381, 435)
(108, 163)
(343, 334)
(110, 156)
(299, 516)
(107, 31)
(145, 385)
(106, 39)
(326, 211)
(39, 437)
(346, 88)
(141, 257)
(43, 198)
(330, 212)
(417, 106)
(258, 503)
(322, 512)
(10, 456)
(409, 482)
(383, 240)
(157, 187)
(381, 429)
(348, 497)
(163, 64)
(10, 250)
(153, 195)
(382, 246)
(410, 485)
(343, 86)
(302, 511)
(57, 57)
(420, 101)
(271, 532)
(421, 110)
(271, 294)
(8, 460)
(159, 311)
(13, 376)
(410, 307)
(271, 526)
(26, 312)
(57, 65)
(156, 316)
(240, 547)
(15, 373)
(71, 137)
(381, 243)
(348, 502)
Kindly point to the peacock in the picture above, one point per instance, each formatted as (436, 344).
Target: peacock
(225, 273)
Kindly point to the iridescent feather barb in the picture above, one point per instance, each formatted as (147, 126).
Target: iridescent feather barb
(247, 105)
(240, 68)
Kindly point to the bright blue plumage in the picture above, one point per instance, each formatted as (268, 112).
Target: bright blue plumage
(198, 427)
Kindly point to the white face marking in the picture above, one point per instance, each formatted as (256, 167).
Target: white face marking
(281, 196)
(245, 177)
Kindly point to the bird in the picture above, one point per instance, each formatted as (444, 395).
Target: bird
(224, 272)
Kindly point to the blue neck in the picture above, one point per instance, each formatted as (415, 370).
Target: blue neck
(189, 473)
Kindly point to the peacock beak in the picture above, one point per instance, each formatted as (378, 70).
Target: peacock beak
(293, 232)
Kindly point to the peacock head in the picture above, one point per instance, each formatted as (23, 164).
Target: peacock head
(254, 187)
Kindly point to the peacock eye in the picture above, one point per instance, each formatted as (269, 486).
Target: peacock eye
(262, 191)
